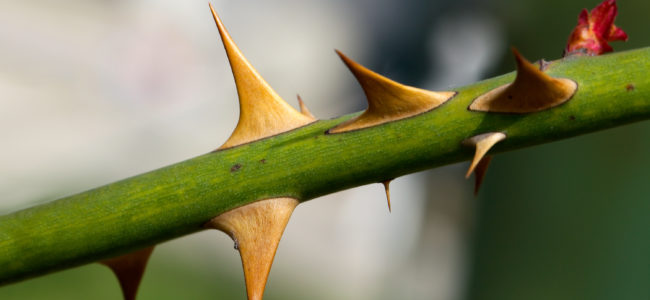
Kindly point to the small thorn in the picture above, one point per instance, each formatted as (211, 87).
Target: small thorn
(388, 100)
(386, 184)
(483, 143)
(129, 269)
(479, 172)
(256, 229)
(262, 113)
(303, 108)
(532, 91)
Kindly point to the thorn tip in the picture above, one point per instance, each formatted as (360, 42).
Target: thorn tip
(386, 184)
(262, 112)
(480, 171)
(129, 269)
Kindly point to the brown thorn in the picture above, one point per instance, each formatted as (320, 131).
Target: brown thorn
(262, 113)
(303, 108)
(129, 269)
(479, 172)
(388, 100)
(483, 143)
(532, 91)
(386, 184)
(256, 229)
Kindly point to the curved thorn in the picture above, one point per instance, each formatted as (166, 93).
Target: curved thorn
(479, 172)
(388, 100)
(483, 143)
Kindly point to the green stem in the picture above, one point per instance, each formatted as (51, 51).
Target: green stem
(307, 163)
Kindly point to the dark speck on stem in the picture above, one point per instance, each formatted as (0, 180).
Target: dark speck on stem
(235, 168)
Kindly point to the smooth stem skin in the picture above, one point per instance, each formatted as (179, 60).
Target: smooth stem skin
(307, 163)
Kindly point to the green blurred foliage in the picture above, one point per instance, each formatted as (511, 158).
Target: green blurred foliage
(165, 278)
(96, 281)
(567, 220)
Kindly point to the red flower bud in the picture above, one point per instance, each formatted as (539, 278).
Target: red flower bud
(595, 30)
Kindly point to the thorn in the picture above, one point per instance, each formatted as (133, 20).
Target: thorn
(262, 112)
(483, 143)
(388, 100)
(129, 269)
(386, 184)
(532, 91)
(303, 108)
(256, 229)
(479, 172)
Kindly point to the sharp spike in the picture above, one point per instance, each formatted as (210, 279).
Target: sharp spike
(388, 100)
(483, 143)
(386, 184)
(262, 112)
(479, 172)
(129, 269)
(303, 108)
(256, 229)
(532, 91)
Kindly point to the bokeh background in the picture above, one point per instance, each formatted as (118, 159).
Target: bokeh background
(95, 91)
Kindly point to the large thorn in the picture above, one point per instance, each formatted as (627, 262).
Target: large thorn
(256, 229)
(262, 112)
(388, 100)
(386, 184)
(483, 143)
(129, 269)
(532, 91)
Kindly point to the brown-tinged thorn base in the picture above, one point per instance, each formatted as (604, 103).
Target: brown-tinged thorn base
(256, 229)
(262, 113)
(532, 91)
(129, 269)
(387, 100)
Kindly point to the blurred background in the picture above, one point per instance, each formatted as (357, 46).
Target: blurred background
(95, 91)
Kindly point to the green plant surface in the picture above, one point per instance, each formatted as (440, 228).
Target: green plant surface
(566, 220)
(306, 163)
